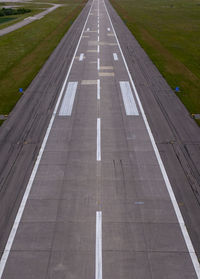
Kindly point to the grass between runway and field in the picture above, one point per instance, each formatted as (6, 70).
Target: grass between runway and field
(169, 32)
(24, 51)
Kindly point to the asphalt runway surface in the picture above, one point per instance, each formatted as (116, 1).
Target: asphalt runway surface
(97, 201)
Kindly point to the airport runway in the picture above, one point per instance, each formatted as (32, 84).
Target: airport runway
(98, 203)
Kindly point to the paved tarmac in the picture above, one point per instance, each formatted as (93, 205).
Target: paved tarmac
(28, 20)
(98, 202)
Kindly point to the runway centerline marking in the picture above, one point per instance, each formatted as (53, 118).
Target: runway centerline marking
(98, 139)
(115, 56)
(98, 257)
(20, 211)
(81, 56)
(185, 233)
(98, 89)
(98, 64)
(98, 48)
(68, 100)
(128, 99)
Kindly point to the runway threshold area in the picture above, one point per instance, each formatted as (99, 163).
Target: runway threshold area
(99, 203)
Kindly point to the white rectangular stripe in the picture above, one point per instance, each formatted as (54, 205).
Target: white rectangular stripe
(98, 89)
(81, 57)
(108, 29)
(115, 56)
(98, 64)
(98, 139)
(98, 261)
(68, 100)
(127, 95)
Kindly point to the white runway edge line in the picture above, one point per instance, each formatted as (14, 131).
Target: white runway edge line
(128, 99)
(68, 100)
(81, 56)
(162, 168)
(98, 89)
(115, 56)
(12, 234)
(98, 259)
(98, 139)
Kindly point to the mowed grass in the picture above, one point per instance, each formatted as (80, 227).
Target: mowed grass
(6, 19)
(35, 8)
(169, 31)
(24, 51)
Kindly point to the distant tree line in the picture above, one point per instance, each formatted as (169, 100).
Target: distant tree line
(9, 11)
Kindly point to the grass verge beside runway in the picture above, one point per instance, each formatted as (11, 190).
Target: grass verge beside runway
(169, 32)
(24, 51)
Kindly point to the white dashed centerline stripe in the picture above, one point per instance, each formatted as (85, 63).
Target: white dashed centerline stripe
(128, 99)
(98, 260)
(68, 100)
(81, 57)
(98, 139)
(98, 48)
(98, 89)
(186, 236)
(115, 56)
(98, 64)
(98, 38)
(20, 211)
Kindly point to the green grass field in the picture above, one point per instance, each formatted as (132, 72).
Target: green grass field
(24, 51)
(169, 31)
(6, 19)
(35, 8)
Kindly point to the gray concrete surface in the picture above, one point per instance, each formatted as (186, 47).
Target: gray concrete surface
(141, 235)
(176, 133)
(28, 20)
